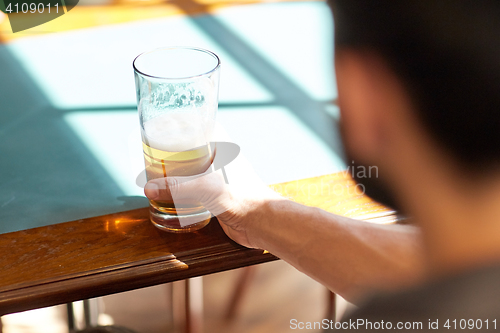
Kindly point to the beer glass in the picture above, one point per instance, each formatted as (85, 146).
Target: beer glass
(177, 100)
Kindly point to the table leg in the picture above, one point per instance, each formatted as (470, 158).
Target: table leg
(331, 309)
(188, 305)
(91, 312)
(194, 305)
(71, 317)
(242, 285)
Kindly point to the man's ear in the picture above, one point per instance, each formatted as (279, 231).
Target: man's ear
(363, 102)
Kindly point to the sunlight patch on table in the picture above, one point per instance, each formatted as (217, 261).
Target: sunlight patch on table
(92, 68)
(278, 145)
(296, 38)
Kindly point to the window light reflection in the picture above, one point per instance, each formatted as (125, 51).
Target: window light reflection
(123, 225)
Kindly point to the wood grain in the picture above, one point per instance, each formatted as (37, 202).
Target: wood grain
(336, 193)
(118, 252)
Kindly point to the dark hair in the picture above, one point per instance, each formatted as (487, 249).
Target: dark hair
(447, 54)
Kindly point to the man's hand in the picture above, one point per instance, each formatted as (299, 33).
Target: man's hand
(239, 206)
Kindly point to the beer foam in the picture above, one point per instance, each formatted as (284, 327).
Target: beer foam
(177, 131)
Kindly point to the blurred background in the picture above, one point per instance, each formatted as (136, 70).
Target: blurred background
(70, 139)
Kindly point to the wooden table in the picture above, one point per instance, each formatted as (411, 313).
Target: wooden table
(119, 252)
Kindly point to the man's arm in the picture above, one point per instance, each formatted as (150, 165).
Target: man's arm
(350, 257)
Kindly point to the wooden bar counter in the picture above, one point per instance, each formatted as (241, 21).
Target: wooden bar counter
(119, 252)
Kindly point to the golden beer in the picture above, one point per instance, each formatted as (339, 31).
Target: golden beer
(159, 134)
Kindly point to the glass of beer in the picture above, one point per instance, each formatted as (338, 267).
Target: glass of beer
(177, 100)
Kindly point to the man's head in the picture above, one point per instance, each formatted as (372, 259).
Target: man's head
(422, 76)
